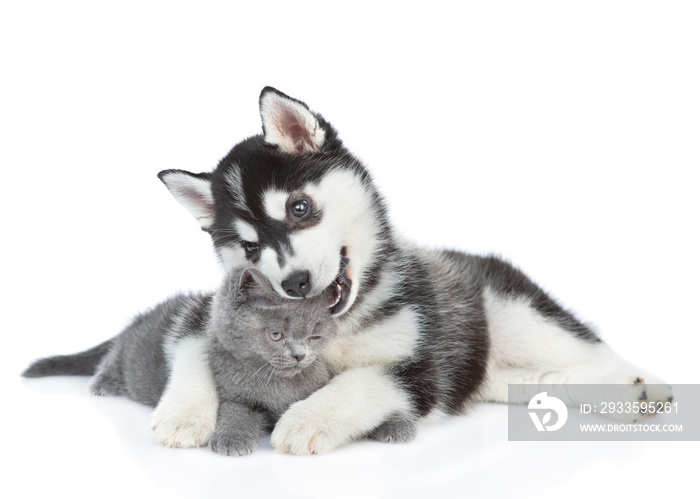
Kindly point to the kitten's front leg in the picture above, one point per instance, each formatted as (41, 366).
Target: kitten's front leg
(237, 430)
(186, 413)
(397, 429)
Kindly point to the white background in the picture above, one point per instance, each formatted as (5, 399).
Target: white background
(564, 137)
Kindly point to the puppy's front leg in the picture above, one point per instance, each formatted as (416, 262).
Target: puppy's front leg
(351, 405)
(186, 413)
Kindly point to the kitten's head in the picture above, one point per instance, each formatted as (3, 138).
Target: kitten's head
(256, 323)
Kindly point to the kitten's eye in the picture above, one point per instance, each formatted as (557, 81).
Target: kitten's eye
(300, 208)
(276, 336)
(251, 248)
(314, 338)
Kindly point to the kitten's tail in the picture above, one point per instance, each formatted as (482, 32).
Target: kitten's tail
(79, 364)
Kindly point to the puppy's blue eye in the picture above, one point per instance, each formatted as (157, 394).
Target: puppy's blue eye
(300, 208)
(275, 336)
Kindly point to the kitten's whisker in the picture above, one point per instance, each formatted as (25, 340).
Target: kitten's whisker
(270, 377)
(261, 368)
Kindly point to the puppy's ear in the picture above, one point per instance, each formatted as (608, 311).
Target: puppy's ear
(289, 124)
(254, 289)
(193, 191)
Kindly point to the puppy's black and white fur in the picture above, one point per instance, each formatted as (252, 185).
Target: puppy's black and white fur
(422, 333)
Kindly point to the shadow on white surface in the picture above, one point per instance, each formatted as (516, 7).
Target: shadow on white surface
(103, 446)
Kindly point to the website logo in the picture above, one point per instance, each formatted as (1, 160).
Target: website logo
(546, 405)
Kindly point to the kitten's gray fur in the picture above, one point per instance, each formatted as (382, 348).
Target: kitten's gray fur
(263, 353)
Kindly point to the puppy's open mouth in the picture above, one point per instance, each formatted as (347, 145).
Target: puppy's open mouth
(339, 290)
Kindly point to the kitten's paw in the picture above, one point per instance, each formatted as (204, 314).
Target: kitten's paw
(233, 443)
(304, 431)
(104, 386)
(395, 430)
(191, 427)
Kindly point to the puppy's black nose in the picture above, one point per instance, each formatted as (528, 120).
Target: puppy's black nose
(297, 284)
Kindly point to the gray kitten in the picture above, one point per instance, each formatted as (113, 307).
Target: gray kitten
(263, 352)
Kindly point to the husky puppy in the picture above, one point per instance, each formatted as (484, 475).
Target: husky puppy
(255, 351)
(422, 333)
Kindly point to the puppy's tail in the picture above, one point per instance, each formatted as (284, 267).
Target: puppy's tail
(79, 364)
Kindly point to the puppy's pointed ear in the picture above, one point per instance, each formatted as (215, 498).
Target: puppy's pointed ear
(254, 289)
(289, 124)
(193, 191)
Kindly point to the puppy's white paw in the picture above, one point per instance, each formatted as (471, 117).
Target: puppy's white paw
(354, 403)
(658, 391)
(635, 398)
(183, 427)
(303, 431)
(653, 390)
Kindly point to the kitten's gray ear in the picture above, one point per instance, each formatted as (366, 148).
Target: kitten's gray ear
(255, 289)
(289, 124)
(193, 191)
